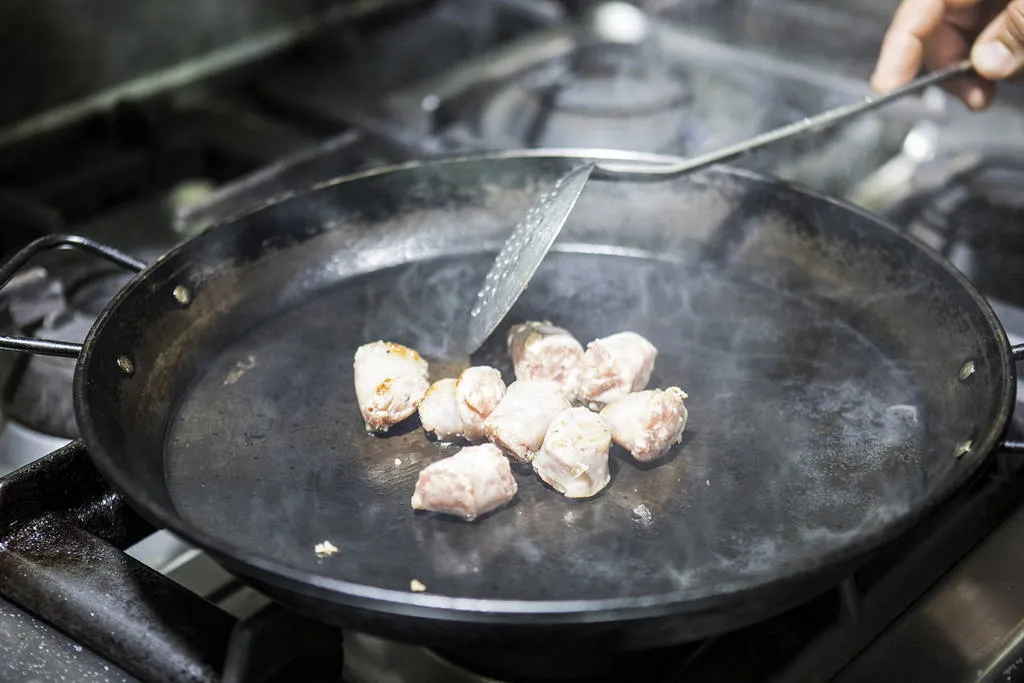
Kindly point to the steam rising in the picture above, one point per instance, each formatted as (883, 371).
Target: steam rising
(427, 304)
(809, 434)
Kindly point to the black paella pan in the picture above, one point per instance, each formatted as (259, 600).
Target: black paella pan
(843, 380)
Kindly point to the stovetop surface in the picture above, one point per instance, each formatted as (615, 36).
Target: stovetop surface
(115, 609)
(465, 75)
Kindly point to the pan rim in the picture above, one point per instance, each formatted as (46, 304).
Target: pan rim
(491, 610)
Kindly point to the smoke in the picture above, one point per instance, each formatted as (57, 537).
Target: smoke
(424, 305)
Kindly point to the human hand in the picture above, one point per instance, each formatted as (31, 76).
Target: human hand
(938, 33)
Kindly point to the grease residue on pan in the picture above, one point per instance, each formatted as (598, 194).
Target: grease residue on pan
(809, 434)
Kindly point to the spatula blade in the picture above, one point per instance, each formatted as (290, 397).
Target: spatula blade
(521, 254)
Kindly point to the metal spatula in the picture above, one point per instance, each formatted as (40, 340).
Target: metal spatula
(533, 237)
(521, 254)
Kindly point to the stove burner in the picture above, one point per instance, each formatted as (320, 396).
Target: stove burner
(88, 296)
(592, 664)
(603, 88)
(40, 398)
(600, 98)
(618, 22)
(371, 658)
(614, 90)
(974, 220)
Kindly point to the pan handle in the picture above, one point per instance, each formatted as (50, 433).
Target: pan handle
(46, 347)
(1011, 445)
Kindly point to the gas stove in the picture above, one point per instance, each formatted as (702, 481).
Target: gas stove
(88, 591)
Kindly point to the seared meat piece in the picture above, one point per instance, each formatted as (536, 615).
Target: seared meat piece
(647, 423)
(477, 394)
(457, 408)
(539, 350)
(390, 380)
(439, 413)
(574, 457)
(521, 420)
(470, 483)
(613, 367)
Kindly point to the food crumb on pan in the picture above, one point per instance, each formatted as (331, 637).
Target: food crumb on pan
(241, 367)
(325, 549)
(398, 462)
(707, 482)
(416, 587)
(642, 515)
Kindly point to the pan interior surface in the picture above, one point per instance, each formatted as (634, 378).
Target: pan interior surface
(802, 437)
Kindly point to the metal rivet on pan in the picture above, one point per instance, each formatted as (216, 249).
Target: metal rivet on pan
(967, 370)
(964, 448)
(182, 295)
(125, 365)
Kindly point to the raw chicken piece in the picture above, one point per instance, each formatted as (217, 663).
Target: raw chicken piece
(470, 483)
(542, 351)
(439, 413)
(574, 457)
(521, 420)
(390, 380)
(613, 367)
(647, 423)
(477, 394)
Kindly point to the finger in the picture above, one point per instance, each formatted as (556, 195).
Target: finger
(948, 45)
(970, 16)
(902, 52)
(975, 91)
(999, 51)
(912, 27)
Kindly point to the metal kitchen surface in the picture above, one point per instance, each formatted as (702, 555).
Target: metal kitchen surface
(970, 626)
(426, 79)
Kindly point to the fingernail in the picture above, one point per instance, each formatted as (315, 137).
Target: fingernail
(994, 59)
(879, 82)
(975, 97)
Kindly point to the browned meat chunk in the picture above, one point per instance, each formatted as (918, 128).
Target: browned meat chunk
(477, 394)
(613, 367)
(473, 482)
(647, 423)
(544, 352)
(521, 420)
(574, 457)
(439, 413)
(390, 380)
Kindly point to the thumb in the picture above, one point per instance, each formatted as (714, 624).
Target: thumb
(998, 52)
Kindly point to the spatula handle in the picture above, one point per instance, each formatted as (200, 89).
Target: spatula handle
(814, 123)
